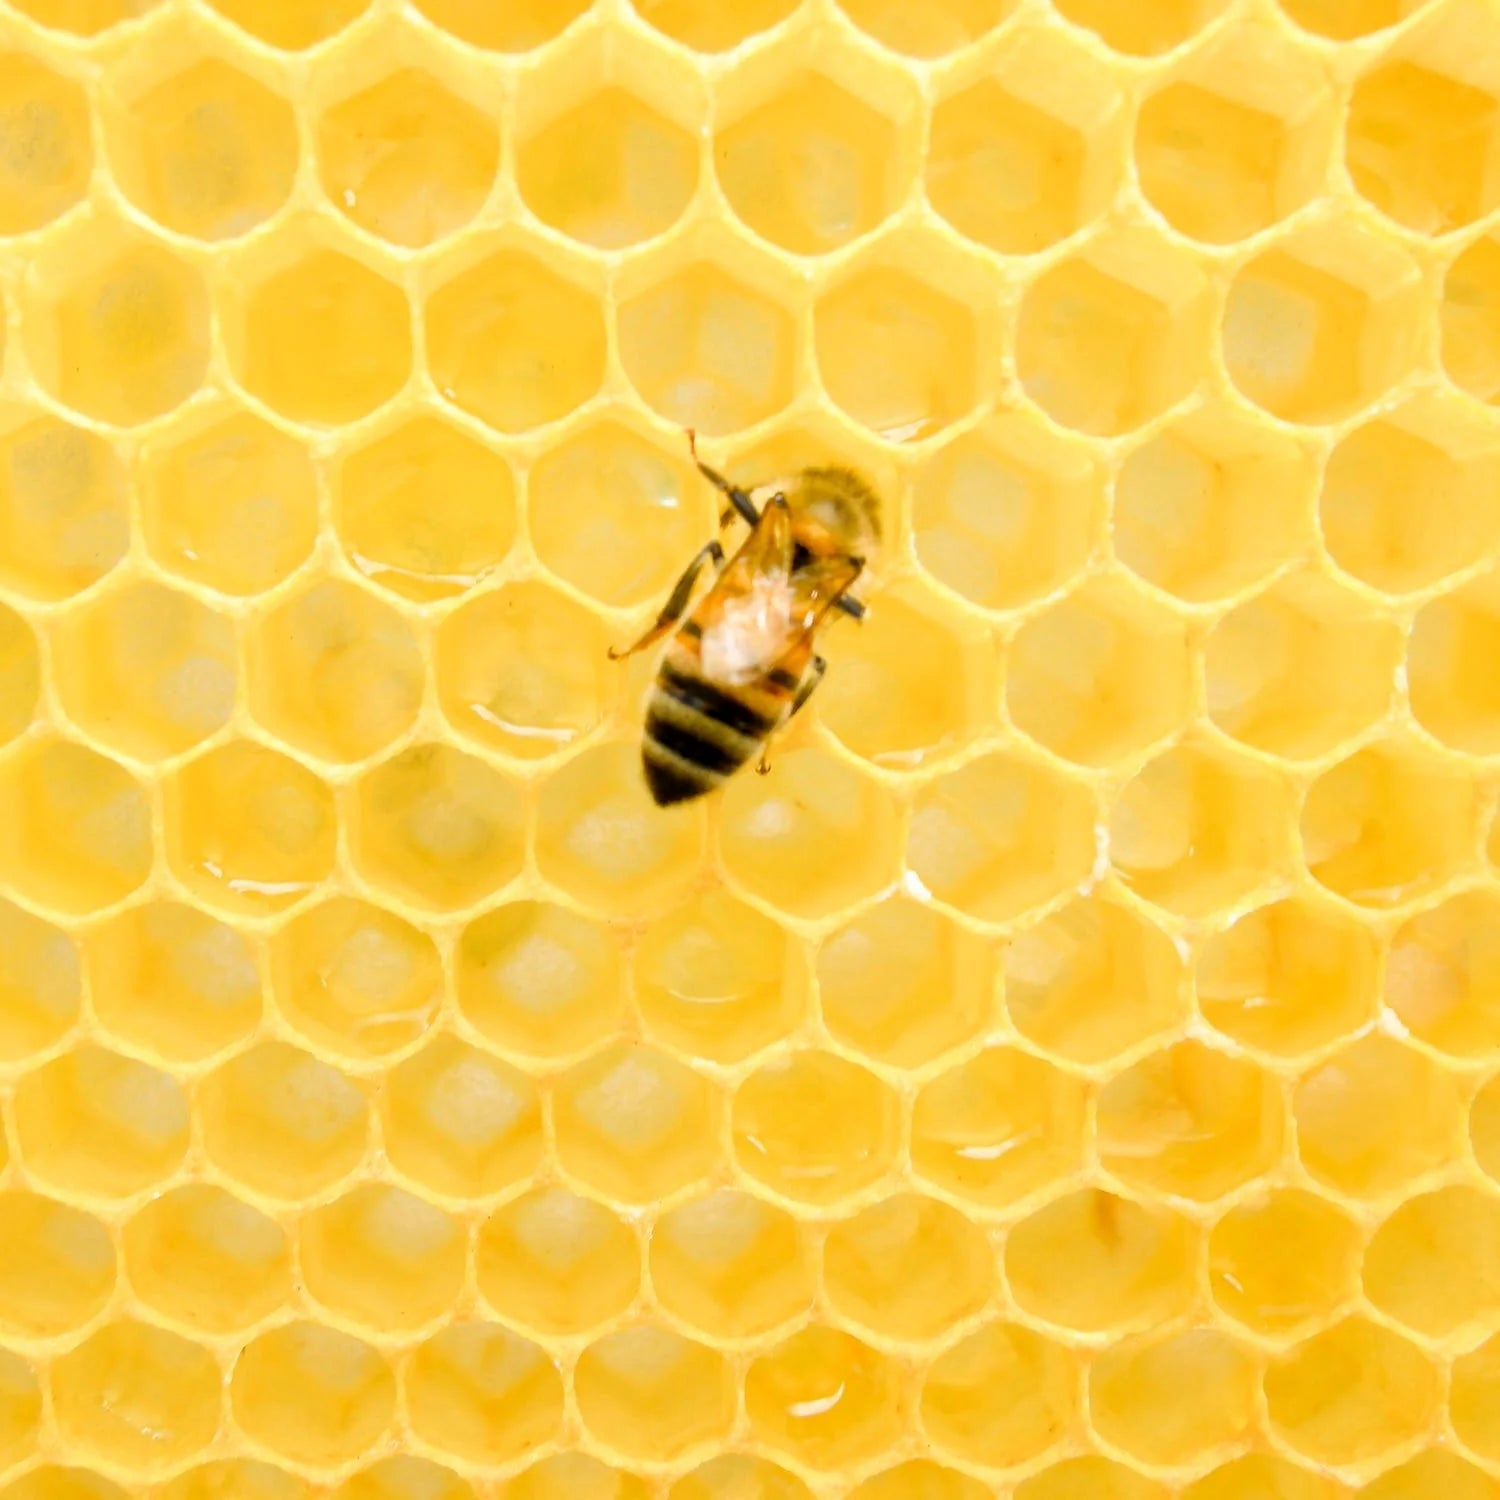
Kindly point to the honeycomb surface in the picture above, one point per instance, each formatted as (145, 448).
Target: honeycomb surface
(1072, 1074)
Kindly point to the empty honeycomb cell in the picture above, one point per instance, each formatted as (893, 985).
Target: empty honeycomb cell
(1484, 1128)
(615, 514)
(1288, 978)
(539, 979)
(1388, 825)
(20, 674)
(902, 983)
(652, 1394)
(635, 1124)
(1197, 830)
(1474, 1399)
(1351, 1393)
(739, 1475)
(201, 1258)
(1432, 1473)
(313, 1395)
(815, 1128)
(920, 1479)
(1323, 322)
(282, 1123)
(407, 159)
(63, 517)
(57, 1266)
(513, 343)
(20, 1409)
(1301, 668)
(403, 1476)
(823, 1399)
(1092, 1262)
(207, 151)
(425, 510)
(1375, 1116)
(173, 980)
(136, 1397)
(1191, 1122)
(334, 672)
(292, 25)
(574, 1476)
(1469, 317)
(437, 827)
(55, 1482)
(115, 325)
(1346, 20)
(811, 838)
(44, 121)
(1264, 1476)
(1089, 1478)
(1443, 975)
(1092, 981)
(1115, 334)
(460, 1121)
(233, 1479)
(941, 28)
(707, 347)
(1000, 1397)
(557, 1263)
(249, 831)
(731, 1265)
(1141, 30)
(998, 1127)
(1173, 1400)
(1100, 675)
(1237, 137)
(1000, 836)
(1451, 694)
(1031, 152)
(146, 670)
(509, 28)
(41, 991)
(908, 1268)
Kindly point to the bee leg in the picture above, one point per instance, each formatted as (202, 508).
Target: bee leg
(810, 679)
(738, 500)
(677, 602)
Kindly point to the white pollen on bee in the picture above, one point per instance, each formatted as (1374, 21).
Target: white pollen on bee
(751, 633)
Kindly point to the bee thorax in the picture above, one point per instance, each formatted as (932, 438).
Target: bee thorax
(750, 634)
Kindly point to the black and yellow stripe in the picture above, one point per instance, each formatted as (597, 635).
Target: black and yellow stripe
(698, 733)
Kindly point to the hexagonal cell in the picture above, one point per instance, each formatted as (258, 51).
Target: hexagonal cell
(708, 349)
(508, 28)
(1474, 1398)
(20, 674)
(146, 670)
(47, 115)
(334, 672)
(1451, 694)
(482, 1394)
(460, 1121)
(281, 1122)
(1238, 137)
(200, 1257)
(575, 1476)
(616, 515)
(739, 1474)
(1376, 1115)
(1345, 20)
(1094, 1477)
(425, 510)
(937, 29)
(557, 1263)
(1434, 1472)
(64, 519)
(1006, 513)
(116, 326)
(1264, 1476)
(1115, 334)
(902, 983)
(1142, 31)
(998, 1127)
(1351, 1393)
(1470, 319)
(1388, 825)
(1173, 1399)
(20, 1409)
(485, 327)
(223, 1478)
(1198, 830)
(787, 1393)
(404, 1476)
(652, 1394)
(41, 991)
(406, 159)
(635, 1124)
(54, 1482)
(717, 979)
(293, 25)
(1093, 1262)
(1100, 675)
(206, 151)
(438, 827)
(1288, 978)
(731, 1265)
(1001, 836)
(920, 1476)
(312, 1394)
(57, 1266)
(1484, 1128)
(1323, 323)
(539, 979)
(1283, 1263)
(136, 1397)
(1029, 153)
(1443, 975)
(908, 1268)
(249, 831)
(814, 1128)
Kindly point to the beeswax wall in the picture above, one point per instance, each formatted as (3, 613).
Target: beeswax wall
(1072, 1074)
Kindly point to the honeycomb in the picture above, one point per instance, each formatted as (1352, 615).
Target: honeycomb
(1073, 1073)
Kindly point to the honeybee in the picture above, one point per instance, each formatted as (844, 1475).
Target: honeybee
(741, 663)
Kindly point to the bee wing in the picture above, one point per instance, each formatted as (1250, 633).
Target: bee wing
(817, 587)
(767, 552)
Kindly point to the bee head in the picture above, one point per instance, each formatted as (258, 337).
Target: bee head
(834, 513)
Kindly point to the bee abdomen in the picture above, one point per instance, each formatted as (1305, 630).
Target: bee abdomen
(696, 736)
